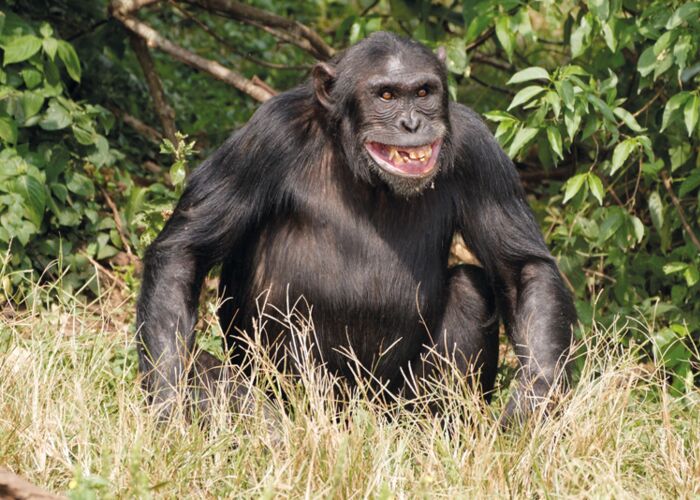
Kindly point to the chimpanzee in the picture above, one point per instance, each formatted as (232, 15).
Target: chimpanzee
(347, 191)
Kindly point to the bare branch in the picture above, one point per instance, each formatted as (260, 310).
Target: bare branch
(297, 33)
(679, 209)
(155, 39)
(231, 46)
(142, 128)
(163, 110)
(118, 223)
(126, 7)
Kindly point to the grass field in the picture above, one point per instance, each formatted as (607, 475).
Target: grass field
(73, 420)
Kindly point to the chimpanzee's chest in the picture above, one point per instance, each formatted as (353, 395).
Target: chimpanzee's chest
(371, 275)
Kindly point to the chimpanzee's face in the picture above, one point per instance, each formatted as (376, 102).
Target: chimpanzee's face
(389, 97)
(403, 122)
(403, 119)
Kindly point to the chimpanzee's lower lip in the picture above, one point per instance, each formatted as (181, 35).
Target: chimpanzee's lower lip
(405, 161)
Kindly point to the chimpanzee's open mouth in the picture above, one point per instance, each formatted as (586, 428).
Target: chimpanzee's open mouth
(406, 161)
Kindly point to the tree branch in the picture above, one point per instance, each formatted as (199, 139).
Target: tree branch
(679, 209)
(297, 33)
(143, 129)
(163, 110)
(230, 46)
(155, 39)
(127, 7)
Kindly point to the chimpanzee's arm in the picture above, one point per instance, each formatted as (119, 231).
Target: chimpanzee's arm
(224, 197)
(499, 227)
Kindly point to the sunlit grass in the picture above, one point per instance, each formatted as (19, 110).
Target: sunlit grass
(73, 420)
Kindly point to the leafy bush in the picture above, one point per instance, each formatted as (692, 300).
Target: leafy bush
(597, 101)
(54, 160)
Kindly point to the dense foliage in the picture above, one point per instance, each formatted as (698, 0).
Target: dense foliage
(597, 101)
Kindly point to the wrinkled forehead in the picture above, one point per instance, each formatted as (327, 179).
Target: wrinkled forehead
(390, 60)
(408, 69)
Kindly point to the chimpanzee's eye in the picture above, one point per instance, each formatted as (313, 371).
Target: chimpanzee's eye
(386, 94)
(422, 92)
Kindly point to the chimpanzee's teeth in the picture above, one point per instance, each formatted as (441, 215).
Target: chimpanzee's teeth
(399, 156)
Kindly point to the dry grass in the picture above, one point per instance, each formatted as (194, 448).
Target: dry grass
(72, 419)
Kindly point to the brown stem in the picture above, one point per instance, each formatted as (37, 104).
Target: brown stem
(126, 7)
(679, 209)
(118, 223)
(143, 129)
(165, 112)
(232, 47)
(481, 40)
(155, 39)
(249, 14)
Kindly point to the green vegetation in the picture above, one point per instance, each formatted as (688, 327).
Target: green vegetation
(73, 419)
(598, 103)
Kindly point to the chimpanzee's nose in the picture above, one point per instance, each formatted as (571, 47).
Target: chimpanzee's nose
(411, 123)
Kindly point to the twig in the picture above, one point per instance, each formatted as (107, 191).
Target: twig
(126, 7)
(296, 32)
(679, 209)
(481, 39)
(115, 279)
(492, 87)
(492, 61)
(155, 39)
(118, 223)
(143, 129)
(648, 104)
(230, 46)
(163, 110)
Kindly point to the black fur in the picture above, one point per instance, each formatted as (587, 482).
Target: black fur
(293, 206)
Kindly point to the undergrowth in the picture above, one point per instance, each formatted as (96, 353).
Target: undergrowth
(73, 419)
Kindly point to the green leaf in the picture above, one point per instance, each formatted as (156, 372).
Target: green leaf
(46, 30)
(688, 185)
(67, 54)
(525, 95)
(673, 104)
(628, 119)
(566, 92)
(34, 195)
(456, 52)
(572, 120)
(690, 10)
(691, 275)
(638, 228)
(31, 103)
(523, 136)
(674, 267)
(50, 46)
(580, 37)
(532, 73)
(609, 37)
(554, 138)
(656, 210)
(621, 153)
(8, 130)
(21, 48)
(690, 113)
(602, 107)
(498, 116)
(573, 186)
(80, 185)
(596, 187)
(31, 77)
(56, 117)
(600, 8)
(646, 62)
(505, 35)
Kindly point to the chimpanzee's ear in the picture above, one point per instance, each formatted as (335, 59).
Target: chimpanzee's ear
(323, 76)
(441, 53)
